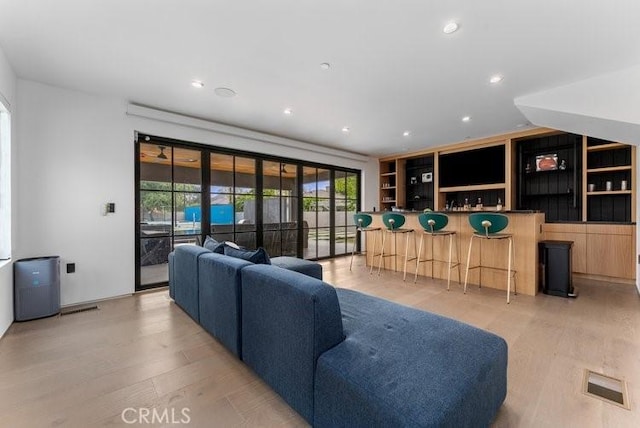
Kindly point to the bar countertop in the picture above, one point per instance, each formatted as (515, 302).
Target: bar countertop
(458, 212)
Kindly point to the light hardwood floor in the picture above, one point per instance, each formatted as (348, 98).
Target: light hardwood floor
(144, 352)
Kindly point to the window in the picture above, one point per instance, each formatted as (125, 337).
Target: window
(5, 184)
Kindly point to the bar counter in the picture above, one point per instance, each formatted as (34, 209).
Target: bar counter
(525, 226)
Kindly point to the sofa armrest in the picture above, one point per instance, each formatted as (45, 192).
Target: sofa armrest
(288, 320)
(185, 278)
(220, 302)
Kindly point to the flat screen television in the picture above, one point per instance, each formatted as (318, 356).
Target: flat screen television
(472, 167)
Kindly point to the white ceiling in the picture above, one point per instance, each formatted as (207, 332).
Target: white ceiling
(392, 67)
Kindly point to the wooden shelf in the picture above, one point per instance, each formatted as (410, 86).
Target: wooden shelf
(388, 188)
(610, 146)
(494, 186)
(389, 202)
(609, 169)
(387, 174)
(609, 192)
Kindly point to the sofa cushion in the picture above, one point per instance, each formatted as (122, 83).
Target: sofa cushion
(220, 314)
(288, 320)
(213, 245)
(400, 366)
(306, 267)
(258, 256)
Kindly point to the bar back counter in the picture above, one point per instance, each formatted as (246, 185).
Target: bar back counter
(525, 226)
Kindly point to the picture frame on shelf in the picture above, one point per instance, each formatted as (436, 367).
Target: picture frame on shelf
(427, 177)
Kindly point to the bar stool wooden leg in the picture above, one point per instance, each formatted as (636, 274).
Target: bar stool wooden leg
(353, 250)
(407, 236)
(509, 272)
(466, 275)
(449, 266)
(415, 278)
(384, 239)
(373, 252)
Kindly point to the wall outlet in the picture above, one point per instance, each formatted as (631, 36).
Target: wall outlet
(71, 267)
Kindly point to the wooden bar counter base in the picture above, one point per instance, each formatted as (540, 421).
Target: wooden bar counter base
(525, 226)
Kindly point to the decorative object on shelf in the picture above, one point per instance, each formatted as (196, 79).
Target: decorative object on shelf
(499, 206)
(427, 210)
(527, 168)
(414, 180)
(623, 185)
(466, 204)
(609, 186)
(427, 177)
(563, 165)
(591, 187)
(547, 162)
(479, 204)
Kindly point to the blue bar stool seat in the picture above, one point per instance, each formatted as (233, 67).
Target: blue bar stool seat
(363, 225)
(393, 223)
(488, 226)
(433, 225)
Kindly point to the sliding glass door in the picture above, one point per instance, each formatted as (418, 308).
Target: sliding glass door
(187, 191)
(169, 201)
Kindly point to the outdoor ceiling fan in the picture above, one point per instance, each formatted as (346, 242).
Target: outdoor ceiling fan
(162, 155)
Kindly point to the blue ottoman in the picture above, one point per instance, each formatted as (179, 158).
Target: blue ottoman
(295, 264)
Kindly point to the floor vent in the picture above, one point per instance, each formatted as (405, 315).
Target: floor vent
(606, 388)
(77, 310)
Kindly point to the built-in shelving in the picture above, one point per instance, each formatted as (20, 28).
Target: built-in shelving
(609, 176)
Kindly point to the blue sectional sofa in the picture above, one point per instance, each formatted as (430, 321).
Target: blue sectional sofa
(206, 285)
(341, 358)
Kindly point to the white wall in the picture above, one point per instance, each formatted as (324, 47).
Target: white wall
(77, 153)
(7, 95)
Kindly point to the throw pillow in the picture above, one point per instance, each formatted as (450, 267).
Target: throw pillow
(258, 256)
(233, 245)
(213, 245)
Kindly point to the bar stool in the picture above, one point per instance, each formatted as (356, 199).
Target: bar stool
(363, 225)
(393, 225)
(488, 226)
(432, 225)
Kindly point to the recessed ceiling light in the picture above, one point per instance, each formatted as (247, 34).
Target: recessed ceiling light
(346, 129)
(466, 118)
(288, 111)
(451, 27)
(325, 66)
(406, 133)
(225, 92)
(496, 79)
(197, 84)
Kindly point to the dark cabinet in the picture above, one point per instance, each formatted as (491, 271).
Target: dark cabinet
(550, 176)
(419, 183)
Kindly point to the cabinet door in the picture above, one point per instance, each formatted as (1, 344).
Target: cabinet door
(611, 253)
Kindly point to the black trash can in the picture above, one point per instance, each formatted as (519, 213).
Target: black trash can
(555, 268)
